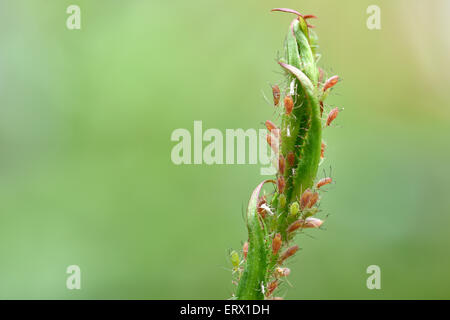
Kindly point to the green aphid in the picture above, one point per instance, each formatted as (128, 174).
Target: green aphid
(294, 209)
(282, 200)
(234, 258)
(310, 212)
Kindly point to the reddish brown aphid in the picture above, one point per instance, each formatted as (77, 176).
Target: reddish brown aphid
(330, 83)
(305, 198)
(323, 182)
(245, 250)
(271, 287)
(281, 184)
(321, 108)
(276, 243)
(291, 158)
(271, 126)
(332, 115)
(276, 95)
(312, 223)
(295, 225)
(282, 272)
(272, 141)
(288, 104)
(313, 199)
(281, 164)
(288, 253)
(321, 73)
(322, 150)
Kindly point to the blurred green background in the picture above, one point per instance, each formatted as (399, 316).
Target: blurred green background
(85, 123)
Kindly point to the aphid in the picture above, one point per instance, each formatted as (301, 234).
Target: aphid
(310, 212)
(313, 199)
(294, 209)
(271, 287)
(272, 127)
(307, 223)
(288, 104)
(282, 272)
(282, 200)
(234, 258)
(288, 253)
(297, 224)
(245, 250)
(312, 223)
(332, 115)
(321, 73)
(330, 83)
(281, 164)
(276, 95)
(322, 150)
(276, 243)
(273, 143)
(323, 182)
(281, 184)
(291, 158)
(321, 108)
(305, 198)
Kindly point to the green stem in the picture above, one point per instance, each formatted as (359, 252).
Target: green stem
(254, 277)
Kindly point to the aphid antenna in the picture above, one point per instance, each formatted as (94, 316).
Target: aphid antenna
(243, 213)
(319, 56)
(265, 98)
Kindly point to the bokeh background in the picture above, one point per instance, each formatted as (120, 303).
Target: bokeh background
(85, 123)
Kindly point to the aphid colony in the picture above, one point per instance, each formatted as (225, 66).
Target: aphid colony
(297, 143)
(301, 212)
